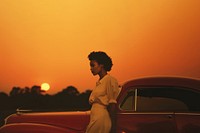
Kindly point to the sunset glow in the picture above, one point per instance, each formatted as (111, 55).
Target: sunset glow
(50, 40)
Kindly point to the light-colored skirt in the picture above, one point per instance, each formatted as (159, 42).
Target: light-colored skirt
(99, 119)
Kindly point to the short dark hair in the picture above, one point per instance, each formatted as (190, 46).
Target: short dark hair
(101, 58)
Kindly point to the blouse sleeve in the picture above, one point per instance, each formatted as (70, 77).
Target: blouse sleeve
(112, 91)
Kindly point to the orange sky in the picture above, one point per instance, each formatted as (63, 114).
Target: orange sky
(48, 40)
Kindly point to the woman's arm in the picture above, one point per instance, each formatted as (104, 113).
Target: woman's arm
(112, 113)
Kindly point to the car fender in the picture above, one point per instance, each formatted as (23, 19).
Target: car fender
(34, 128)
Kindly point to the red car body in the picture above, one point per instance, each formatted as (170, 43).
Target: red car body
(145, 105)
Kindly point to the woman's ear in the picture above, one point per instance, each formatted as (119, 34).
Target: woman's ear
(102, 66)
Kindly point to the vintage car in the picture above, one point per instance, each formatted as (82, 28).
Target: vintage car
(145, 105)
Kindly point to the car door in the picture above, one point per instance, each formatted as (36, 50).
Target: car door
(148, 110)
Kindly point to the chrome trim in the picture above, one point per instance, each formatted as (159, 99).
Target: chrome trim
(188, 113)
(21, 111)
(6, 119)
(147, 113)
(159, 113)
(135, 108)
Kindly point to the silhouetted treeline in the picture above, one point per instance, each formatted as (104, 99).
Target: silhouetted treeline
(35, 99)
(69, 99)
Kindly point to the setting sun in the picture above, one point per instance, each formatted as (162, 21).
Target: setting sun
(45, 86)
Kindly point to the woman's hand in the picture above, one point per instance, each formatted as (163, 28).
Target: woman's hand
(91, 101)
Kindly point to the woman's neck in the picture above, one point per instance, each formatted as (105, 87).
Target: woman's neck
(102, 74)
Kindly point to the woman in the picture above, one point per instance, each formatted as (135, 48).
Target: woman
(103, 96)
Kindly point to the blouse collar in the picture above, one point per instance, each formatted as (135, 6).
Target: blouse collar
(101, 80)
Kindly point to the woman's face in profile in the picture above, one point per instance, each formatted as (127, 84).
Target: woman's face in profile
(95, 67)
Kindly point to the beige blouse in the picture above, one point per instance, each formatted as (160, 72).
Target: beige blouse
(106, 91)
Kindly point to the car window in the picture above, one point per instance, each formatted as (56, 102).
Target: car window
(161, 99)
(160, 104)
(128, 102)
